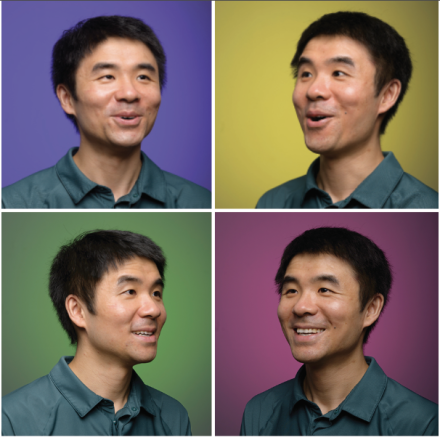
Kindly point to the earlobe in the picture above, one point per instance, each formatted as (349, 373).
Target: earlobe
(65, 98)
(374, 309)
(74, 308)
(390, 95)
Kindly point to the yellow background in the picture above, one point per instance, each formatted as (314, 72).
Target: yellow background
(259, 142)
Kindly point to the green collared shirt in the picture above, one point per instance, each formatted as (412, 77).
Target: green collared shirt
(377, 405)
(60, 404)
(388, 186)
(65, 186)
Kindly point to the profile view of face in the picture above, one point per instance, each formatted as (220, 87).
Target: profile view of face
(118, 92)
(335, 96)
(129, 313)
(319, 308)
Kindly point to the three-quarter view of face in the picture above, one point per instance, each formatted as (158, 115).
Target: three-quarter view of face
(118, 93)
(320, 310)
(335, 95)
(129, 313)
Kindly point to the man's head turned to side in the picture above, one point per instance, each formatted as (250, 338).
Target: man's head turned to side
(352, 72)
(333, 284)
(107, 288)
(108, 73)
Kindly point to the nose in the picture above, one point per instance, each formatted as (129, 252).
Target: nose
(305, 305)
(150, 308)
(127, 90)
(318, 88)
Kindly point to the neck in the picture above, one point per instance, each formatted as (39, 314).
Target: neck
(340, 175)
(328, 385)
(102, 376)
(115, 168)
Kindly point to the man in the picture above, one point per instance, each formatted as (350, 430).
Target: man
(107, 289)
(333, 285)
(352, 71)
(108, 73)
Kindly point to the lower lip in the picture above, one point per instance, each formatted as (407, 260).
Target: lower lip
(317, 124)
(124, 122)
(146, 338)
(306, 338)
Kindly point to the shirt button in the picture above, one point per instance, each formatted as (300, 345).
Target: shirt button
(114, 422)
(134, 408)
(135, 195)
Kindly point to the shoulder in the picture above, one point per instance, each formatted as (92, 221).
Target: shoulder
(282, 195)
(171, 410)
(32, 191)
(412, 193)
(261, 407)
(186, 194)
(26, 411)
(408, 412)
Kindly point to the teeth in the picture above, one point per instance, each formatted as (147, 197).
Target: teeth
(309, 331)
(144, 333)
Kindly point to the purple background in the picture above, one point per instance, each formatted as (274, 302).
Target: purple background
(252, 354)
(36, 133)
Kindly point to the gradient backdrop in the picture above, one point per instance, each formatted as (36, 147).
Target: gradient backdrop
(252, 354)
(259, 142)
(33, 340)
(36, 133)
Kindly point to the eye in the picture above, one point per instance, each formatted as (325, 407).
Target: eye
(306, 74)
(324, 290)
(157, 293)
(338, 73)
(130, 292)
(144, 77)
(290, 291)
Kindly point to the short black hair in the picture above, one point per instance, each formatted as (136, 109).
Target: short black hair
(387, 48)
(80, 265)
(80, 40)
(371, 267)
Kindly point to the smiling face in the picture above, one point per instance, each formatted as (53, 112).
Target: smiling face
(335, 96)
(129, 314)
(118, 92)
(319, 309)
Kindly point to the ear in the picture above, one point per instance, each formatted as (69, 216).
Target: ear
(374, 309)
(66, 99)
(76, 309)
(389, 95)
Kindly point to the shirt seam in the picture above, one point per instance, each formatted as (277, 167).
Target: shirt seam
(50, 415)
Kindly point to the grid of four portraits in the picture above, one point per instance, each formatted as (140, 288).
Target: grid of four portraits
(210, 112)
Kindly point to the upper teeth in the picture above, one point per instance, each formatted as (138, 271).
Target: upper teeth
(143, 333)
(309, 331)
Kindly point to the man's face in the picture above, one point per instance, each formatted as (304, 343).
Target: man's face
(118, 93)
(334, 96)
(321, 293)
(129, 313)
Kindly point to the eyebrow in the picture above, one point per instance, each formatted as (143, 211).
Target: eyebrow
(128, 279)
(336, 60)
(319, 278)
(109, 66)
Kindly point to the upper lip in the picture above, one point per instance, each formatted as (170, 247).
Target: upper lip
(317, 113)
(146, 329)
(127, 114)
(299, 326)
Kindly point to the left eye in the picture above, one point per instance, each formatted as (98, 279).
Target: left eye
(338, 73)
(157, 294)
(143, 76)
(130, 292)
(324, 290)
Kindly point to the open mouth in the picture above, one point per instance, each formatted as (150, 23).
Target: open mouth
(144, 333)
(318, 118)
(128, 118)
(310, 331)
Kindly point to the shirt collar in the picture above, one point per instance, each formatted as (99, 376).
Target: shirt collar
(361, 402)
(151, 180)
(373, 191)
(83, 400)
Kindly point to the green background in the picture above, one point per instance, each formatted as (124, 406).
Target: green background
(33, 340)
(259, 141)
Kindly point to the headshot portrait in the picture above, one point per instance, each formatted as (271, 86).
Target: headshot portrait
(346, 291)
(102, 302)
(120, 99)
(332, 116)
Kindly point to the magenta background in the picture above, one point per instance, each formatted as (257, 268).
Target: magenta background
(35, 131)
(252, 354)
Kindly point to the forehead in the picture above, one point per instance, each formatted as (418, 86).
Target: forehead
(121, 51)
(323, 48)
(306, 267)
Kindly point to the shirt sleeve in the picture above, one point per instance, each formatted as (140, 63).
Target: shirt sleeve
(432, 428)
(7, 425)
